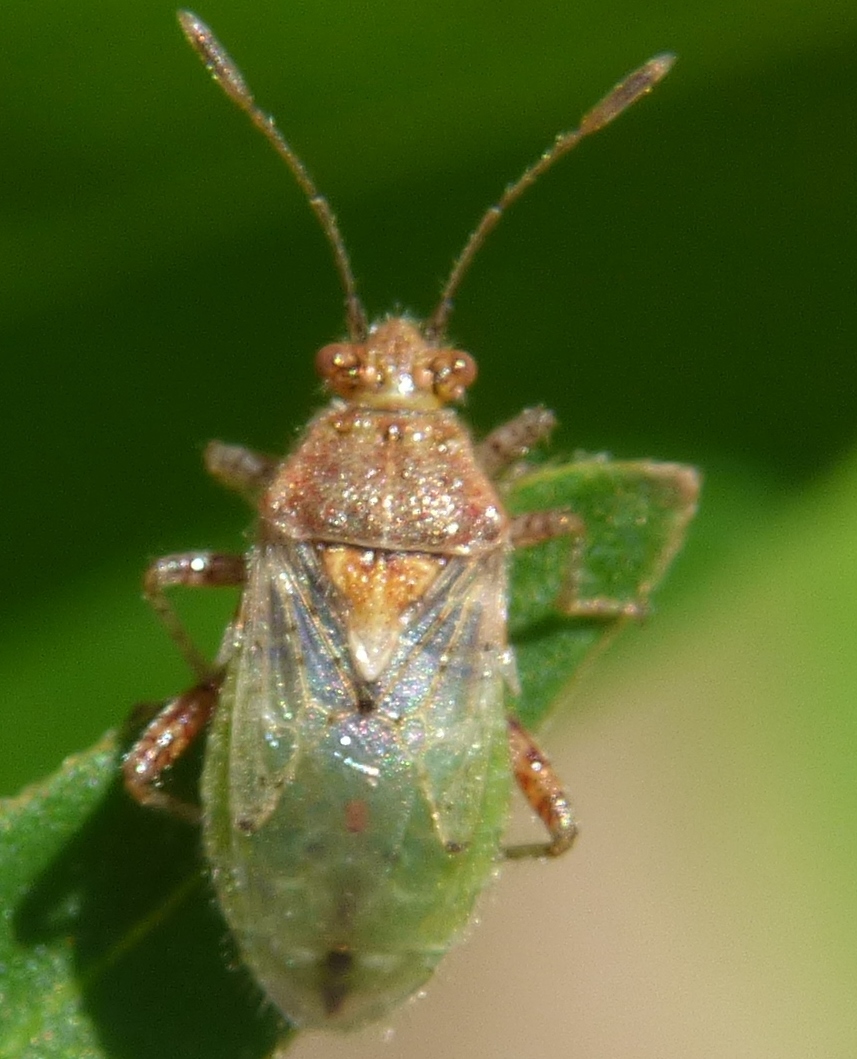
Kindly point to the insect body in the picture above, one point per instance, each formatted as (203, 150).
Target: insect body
(360, 755)
(360, 734)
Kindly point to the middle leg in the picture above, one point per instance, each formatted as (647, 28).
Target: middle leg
(192, 570)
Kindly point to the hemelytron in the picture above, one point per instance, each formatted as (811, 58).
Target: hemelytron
(360, 754)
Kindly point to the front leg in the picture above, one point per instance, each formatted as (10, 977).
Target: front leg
(511, 441)
(247, 472)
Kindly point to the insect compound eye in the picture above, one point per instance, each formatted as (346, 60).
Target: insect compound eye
(453, 372)
(339, 360)
(344, 369)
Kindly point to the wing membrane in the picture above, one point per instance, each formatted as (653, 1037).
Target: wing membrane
(445, 684)
(288, 676)
(441, 697)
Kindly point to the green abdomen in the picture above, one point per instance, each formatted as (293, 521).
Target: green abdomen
(344, 897)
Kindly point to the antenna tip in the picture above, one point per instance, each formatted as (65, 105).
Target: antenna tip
(660, 65)
(189, 22)
(216, 58)
(634, 87)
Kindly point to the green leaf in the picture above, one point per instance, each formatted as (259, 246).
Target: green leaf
(635, 515)
(111, 941)
(40, 999)
(110, 944)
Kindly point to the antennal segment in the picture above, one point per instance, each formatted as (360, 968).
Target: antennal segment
(611, 106)
(229, 77)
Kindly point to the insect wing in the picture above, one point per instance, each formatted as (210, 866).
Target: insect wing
(437, 708)
(445, 688)
(288, 675)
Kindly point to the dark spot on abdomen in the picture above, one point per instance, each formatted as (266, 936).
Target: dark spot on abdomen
(336, 968)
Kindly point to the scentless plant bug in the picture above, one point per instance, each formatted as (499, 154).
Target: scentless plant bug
(361, 750)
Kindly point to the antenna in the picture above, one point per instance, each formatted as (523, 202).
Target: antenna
(636, 85)
(229, 77)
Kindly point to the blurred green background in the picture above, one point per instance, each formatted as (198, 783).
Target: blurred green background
(683, 287)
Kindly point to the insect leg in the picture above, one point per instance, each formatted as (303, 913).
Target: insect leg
(193, 570)
(163, 742)
(245, 471)
(536, 527)
(511, 441)
(542, 789)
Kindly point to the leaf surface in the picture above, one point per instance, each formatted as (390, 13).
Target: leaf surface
(635, 515)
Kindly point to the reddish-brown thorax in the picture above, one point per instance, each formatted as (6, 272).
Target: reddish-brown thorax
(386, 483)
(389, 467)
